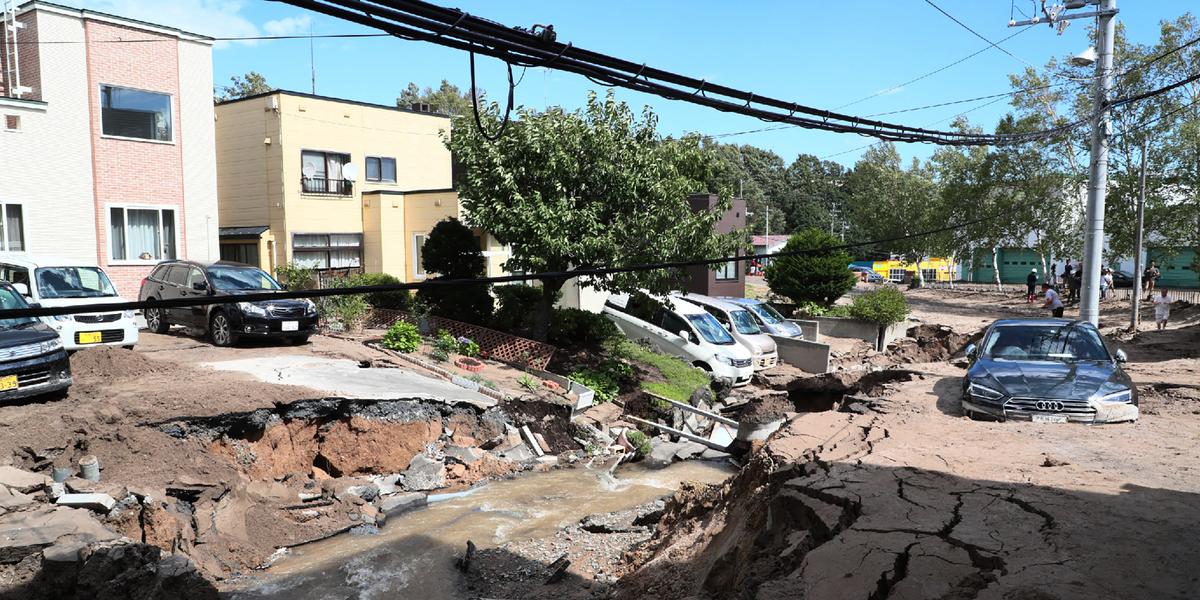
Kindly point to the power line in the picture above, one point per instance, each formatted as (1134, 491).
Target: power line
(977, 34)
(417, 20)
(246, 38)
(13, 313)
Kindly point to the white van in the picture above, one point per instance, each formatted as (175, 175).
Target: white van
(679, 328)
(738, 321)
(63, 282)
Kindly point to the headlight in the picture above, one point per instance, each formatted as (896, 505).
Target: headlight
(61, 317)
(252, 309)
(1121, 397)
(984, 392)
(310, 306)
(52, 345)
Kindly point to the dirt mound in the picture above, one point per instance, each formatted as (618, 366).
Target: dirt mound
(1169, 399)
(766, 409)
(930, 343)
(551, 420)
(110, 362)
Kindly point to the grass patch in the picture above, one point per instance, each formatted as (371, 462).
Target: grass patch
(681, 379)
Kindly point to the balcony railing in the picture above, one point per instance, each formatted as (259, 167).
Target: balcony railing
(327, 187)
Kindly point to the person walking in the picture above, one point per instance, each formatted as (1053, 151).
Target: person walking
(1106, 282)
(1030, 285)
(1076, 281)
(1053, 301)
(1067, 273)
(1162, 309)
(1151, 276)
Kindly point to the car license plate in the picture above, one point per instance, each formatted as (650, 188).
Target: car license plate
(8, 382)
(90, 337)
(291, 326)
(1049, 418)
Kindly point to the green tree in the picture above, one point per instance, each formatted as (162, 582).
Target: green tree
(597, 187)
(447, 99)
(821, 277)
(452, 252)
(242, 86)
(887, 201)
(814, 195)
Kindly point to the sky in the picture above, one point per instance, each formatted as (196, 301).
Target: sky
(814, 52)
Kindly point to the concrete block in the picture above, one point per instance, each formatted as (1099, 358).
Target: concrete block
(424, 473)
(22, 480)
(11, 499)
(808, 356)
(398, 503)
(463, 455)
(97, 502)
(537, 449)
(662, 454)
(809, 328)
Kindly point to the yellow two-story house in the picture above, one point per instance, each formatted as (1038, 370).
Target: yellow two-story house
(333, 184)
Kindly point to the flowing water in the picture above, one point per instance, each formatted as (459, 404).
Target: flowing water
(413, 556)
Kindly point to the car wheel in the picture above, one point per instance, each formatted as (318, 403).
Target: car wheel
(703, 366)
(220, 330)
(156, 321)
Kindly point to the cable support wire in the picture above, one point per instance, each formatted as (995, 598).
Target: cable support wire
(13, 313)
(416, 20)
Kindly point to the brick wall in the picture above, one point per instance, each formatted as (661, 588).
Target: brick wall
(28, 64)
(133, 172)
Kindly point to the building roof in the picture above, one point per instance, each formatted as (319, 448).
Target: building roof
(118, 19)
(254, 231)
(768, 240)
(332, 99)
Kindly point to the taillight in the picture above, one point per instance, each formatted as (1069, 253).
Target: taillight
(144, 282)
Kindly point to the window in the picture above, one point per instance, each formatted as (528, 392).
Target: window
(929, 274)
(244, 253)
(381, 169)
(177, 275)
(418, 249)
(12, 122)
(135, 113)
(141, 233)
(896, 274)
(327, 250)
(672, 323)
(73, 282)
(12, 228)
(195, 276)
(322, 173)
(727, 271)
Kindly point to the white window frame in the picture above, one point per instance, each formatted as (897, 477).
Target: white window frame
(361, 247)
(381, 180)
(418, 270)
(4, 204)
(126, 207)
(170, 105)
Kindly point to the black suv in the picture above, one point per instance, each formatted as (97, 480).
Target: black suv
(32, 358)
(293, 320)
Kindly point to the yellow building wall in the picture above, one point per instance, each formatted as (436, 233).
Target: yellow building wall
(383, 235)
(248, 167)
(943, 267)
(422, 211)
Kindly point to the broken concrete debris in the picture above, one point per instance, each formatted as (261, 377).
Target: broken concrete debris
(424, 474)
(21, 480)
(101, 503)
(27, 532)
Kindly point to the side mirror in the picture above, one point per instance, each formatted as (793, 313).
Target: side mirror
(200, 286)
(1121, 356)
(22, 289)
(687, 337)
(35, 305)
(971, 349)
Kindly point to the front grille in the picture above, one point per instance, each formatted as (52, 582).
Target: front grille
(107, 336)
(766, 362)
(105, 318)
(33, 378)
(26, 351)
(286, 311)
(742, 362)
(1050, 406)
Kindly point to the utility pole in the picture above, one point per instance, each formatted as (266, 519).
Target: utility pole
(1136, 292)
(1093, 250)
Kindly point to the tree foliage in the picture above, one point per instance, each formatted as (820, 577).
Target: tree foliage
(242, 86)
(818, 277)
(452, 252)
(595, 187)
(446, 100)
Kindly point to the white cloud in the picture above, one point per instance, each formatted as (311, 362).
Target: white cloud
(215, 18)
(288, 26)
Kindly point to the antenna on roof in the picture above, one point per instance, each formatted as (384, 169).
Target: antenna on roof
(312, 62)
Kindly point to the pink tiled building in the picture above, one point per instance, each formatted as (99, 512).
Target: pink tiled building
(107, 149)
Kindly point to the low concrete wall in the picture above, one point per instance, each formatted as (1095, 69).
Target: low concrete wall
(840, 327)
(810, 329)
(812, 357)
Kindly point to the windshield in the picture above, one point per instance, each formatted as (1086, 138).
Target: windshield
(241, 278)
(710, 328)
(73, 282)
(9, 299)
(1066, 343)
(744, 322)
(767, 314)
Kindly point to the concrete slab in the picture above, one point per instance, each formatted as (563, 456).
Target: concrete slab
(341, 377)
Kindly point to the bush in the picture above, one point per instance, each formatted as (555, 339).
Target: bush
(402, 337)
(452, 252)
(346, 310)
(883, 307)
(639, 441)
(820, 277)
(517, 305)
(606, 380)
(445, 342)
(296, 277)
(468, 347)
(576, 329)
(398, 300)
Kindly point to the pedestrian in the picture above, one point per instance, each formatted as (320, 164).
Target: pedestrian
(1151, 275)
(1030, 285)
(1068, 272)
(1106, 282)
(1053, 302)
(1076, 282)
(1162, 309)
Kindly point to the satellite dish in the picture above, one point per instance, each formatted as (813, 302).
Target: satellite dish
(349, 172)
(309, 170)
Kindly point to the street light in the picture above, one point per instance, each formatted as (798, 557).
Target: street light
(1086, 58)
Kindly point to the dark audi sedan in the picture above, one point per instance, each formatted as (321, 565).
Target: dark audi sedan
(32, 359)
(1047, 370)
(292, 320)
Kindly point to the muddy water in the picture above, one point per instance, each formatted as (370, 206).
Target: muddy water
(413, 556)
